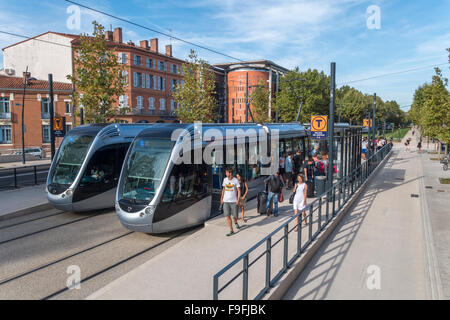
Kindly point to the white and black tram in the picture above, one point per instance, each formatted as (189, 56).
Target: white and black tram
(85, 171)
(157, 194)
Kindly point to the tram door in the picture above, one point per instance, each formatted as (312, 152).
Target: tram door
(216, 172)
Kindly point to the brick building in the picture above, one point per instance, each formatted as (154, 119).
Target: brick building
(36, 115)
(235, 77)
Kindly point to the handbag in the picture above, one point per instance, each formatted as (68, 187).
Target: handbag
(281, 197)
(291, 197)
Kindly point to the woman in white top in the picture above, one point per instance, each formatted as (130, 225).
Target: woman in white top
(300, 190)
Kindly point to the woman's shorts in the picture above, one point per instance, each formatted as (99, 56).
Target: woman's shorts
(242, 202)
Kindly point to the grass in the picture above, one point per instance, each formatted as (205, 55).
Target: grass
(389, 134)
(444, 180)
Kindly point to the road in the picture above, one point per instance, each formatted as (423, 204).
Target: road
(40, 253)
(25, 176)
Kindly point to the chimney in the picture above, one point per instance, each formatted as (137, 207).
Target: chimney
(169, 50)
(109, 36)
(144, 44)
(118, 35)
(154, 45)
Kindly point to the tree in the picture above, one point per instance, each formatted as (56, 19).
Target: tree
(260, 103)
(98, 78)
(196, 97)
(315, 90)
(436, 115)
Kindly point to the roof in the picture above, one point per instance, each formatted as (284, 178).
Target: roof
(229, 65)
(72, 36)
(17, 83)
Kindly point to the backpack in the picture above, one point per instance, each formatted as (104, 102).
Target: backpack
(321, 167)
(275, 185)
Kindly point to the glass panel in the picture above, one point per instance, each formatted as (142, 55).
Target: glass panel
(70, 157)
(145, 168)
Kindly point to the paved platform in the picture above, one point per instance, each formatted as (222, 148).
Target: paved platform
(21, 200)
(382, 248)
(28, 163)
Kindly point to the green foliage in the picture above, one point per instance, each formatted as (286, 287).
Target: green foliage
(260, 103)
(315, 90)
(97, 78)
(196, 98)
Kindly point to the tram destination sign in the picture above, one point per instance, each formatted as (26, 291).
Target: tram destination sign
(319, 127)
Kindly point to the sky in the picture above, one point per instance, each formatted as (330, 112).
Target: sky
(365, 38)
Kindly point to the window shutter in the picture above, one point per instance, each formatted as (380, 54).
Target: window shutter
(135, 84)
(143, 80)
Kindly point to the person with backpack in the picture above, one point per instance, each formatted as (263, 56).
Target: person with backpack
(309, 169)
(275, 186)
(289, 168)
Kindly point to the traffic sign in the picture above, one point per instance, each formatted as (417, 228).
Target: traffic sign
(59, 126)
(319, 127)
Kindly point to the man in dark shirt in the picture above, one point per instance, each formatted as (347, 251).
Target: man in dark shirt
(275, 186)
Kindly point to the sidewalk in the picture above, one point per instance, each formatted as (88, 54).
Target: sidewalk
(20, 201)
(380, 249)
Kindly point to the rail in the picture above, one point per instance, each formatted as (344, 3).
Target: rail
(13, 178)
(319, 213)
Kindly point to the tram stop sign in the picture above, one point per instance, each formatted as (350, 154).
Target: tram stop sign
(366, 122)
(319, 127)
(59, 126)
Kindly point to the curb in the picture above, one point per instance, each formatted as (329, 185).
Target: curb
(282, 286)
(25, 211)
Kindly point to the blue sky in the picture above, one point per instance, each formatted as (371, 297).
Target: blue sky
(308, 34)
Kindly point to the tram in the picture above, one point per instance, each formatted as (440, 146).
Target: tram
(85, 171)
(157, 194)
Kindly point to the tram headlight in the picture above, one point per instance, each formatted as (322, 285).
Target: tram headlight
(150, 210)
(69, 192)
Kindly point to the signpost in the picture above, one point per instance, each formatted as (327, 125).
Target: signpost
(59, 126)
(319, 127)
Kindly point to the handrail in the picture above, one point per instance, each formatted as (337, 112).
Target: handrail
(346, 188)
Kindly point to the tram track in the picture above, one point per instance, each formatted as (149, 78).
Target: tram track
(35, 267)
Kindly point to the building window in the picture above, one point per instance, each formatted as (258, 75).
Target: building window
(174, 68)
(155, 82)
(137, 60)
(161, 85)
(5, 108)
(149, 63)
(68, 127)
(68, 106)
(162, 104)
(124, 79)
(45, 133)
(45, 108)
(143, 81)
(162, 66)
(138, 80)
(123, 101)
(5, 134)
(139, 102)
(173, 105)
(151, 103)
(122, 58)
(173, 84)
(149, 81)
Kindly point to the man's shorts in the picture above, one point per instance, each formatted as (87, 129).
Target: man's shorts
(230, 209)
(364, 151)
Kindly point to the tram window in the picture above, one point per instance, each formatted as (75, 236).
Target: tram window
(288, 144)
(281, 145)
(103, 170)
(253, 171)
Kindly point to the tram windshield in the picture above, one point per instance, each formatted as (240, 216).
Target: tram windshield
(145, 167)
(71, 155)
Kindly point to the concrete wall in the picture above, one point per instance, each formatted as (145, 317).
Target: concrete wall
(41, 57)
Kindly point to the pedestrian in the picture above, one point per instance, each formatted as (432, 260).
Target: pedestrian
(231, 194)
(275, 187)
(308, 170)
(298, 162)
(364, 145)
(282, 168)
(289, 168)
(379, 143)
(419, 146)
(242, 199)
(300, 191)
(407, 144)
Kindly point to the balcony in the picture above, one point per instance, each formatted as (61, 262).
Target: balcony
(5, 115)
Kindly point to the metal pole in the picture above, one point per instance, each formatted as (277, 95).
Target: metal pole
(331, 127)
(373, 117)
(23, 111)
(246, 99)
(232, 115)
(52, 134)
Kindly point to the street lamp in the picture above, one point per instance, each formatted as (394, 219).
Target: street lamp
(26, 79)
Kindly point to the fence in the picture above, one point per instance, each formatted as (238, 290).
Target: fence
(317, 215)
(23, 176)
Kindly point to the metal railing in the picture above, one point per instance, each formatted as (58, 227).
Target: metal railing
(319, 213)
(23, 176)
